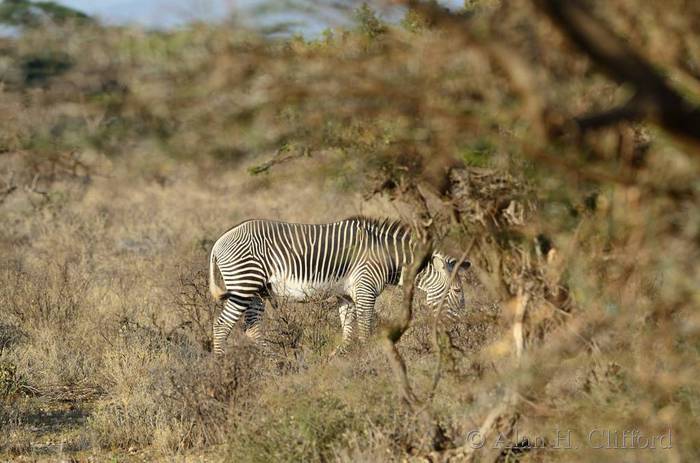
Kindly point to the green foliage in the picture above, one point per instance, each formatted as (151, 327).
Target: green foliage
(368, 23)
(479, 154)
(414, 21)
(38, 68)
(30, 14)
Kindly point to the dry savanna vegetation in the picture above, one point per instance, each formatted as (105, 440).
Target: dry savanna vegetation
(556, 144)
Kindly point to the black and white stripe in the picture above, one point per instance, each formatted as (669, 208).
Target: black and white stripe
(354, 258)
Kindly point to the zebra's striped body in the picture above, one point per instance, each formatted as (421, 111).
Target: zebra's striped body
(354, 258)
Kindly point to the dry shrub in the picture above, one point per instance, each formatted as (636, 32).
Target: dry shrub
(49, 303)
(171, 397)
(301, 430)
(10, 336)
(296, 331)
(308, 416)
(370, 445)
(15, 439)
(196, 311)
(50, 300)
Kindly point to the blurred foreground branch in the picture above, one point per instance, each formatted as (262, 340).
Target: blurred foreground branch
(393, 331)
(655, 99)
(436, 320)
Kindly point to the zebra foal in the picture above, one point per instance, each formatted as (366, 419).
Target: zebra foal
(354, 259)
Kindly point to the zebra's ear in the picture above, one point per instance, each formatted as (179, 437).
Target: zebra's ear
(428, 259)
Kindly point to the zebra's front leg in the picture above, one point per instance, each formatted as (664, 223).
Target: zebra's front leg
(347, 320)
(232, 311)
(364, 308)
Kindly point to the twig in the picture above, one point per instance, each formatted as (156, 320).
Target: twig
(9, 187)
(467, 452)
(277, 159)
(33, 189)
(520, 303)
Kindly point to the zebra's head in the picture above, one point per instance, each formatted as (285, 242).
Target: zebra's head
(437, 282)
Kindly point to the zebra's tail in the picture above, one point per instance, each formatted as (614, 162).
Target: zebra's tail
(216, 291)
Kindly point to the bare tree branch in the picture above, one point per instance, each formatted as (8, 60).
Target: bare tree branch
(631, 111)
(392, 332)
(278, 158)
(655, 100)
(661, 103)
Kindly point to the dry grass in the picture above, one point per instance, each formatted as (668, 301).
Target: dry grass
(108, 327)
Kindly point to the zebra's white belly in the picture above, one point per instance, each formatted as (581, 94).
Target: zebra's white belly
(303, 291)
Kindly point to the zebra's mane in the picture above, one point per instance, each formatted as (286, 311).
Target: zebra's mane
(381, 227)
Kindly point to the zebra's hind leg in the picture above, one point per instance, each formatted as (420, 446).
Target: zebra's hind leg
(233, 309)
(364, 303)
(347, 320)
(252, 318)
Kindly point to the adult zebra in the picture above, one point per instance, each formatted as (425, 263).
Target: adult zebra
(355, 259)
